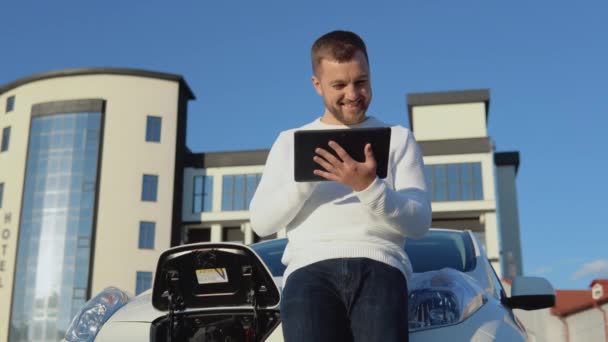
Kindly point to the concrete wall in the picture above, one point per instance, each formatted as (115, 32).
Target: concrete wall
(12, 174)
(543, 326)
(509, 221)
(587, 325)
(450, 121)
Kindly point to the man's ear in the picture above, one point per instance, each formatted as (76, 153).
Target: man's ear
(317, 84)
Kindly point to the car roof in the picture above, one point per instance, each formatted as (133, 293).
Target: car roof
(448, 230)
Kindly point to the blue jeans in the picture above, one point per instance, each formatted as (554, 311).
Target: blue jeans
(353, 299)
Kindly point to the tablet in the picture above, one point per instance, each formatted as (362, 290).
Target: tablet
(351, 140)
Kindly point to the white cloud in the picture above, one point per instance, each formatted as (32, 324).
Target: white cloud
(597, 268)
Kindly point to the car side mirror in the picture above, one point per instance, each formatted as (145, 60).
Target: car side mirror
(530, 293)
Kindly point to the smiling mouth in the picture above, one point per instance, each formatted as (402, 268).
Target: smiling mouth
(353, 104)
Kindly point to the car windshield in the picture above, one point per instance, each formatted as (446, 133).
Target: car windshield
(436, 250)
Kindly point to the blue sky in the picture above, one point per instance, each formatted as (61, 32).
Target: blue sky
(248, 64)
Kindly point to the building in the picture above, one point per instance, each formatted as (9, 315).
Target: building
(577, 316)
(472, 185)
(470, 182)
(96, 181)
(90, 190)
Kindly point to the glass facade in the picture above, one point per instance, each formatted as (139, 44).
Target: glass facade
(146, 235)
(237, 191)
(143, 282)
(454, 182)
(55, 234)
(153, 128)
(203, 194)
(6, 139)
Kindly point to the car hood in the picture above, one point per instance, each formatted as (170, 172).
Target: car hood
(138, 309)
(213, 275)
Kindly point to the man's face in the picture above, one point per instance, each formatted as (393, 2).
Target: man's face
(345, 88)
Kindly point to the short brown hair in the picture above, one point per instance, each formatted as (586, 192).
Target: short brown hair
(339, 46)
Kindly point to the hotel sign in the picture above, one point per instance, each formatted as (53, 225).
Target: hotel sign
(5, 235)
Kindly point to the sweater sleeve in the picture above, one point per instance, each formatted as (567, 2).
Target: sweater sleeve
(278, 197)
(406, 208)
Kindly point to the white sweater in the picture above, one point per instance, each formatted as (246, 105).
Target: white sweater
(327, 220)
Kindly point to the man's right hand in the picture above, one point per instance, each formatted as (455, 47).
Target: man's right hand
(344, 169)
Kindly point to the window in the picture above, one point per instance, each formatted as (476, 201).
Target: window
(6, 138)
(199, 235)
(143, 282)
(146, 235)
(237, 191)
(153, 125)
(233, 234)
(203, 194)
(454, 182)
(149, 188)
(1, 194)
(10, 103)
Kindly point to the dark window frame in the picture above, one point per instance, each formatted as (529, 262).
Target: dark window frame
(455, 181)
(145, 196)
(147, 234)
(203, 195)
(153, 131)
(10, 104)
(230, 203)
(143, 281)
(5, 140)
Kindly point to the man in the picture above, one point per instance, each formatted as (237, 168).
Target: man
(346, 276)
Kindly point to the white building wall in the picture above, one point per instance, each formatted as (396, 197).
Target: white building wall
(12, 174)
(126, 158)
(542, 326)
(587, 326)
(492, 241)
(556, 330)
(583, 326)
(449, 121)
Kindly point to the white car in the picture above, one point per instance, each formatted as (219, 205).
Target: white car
(231, 292)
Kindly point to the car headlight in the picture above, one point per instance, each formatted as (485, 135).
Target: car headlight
(440, 298)
(94, 314)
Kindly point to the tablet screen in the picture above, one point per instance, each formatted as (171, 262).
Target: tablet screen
(351, 140)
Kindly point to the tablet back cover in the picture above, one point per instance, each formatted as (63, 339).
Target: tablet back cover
(352, 140)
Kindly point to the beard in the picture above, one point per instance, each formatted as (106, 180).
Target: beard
(345, 116)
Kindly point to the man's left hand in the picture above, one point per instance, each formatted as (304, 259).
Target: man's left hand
(344, 169)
